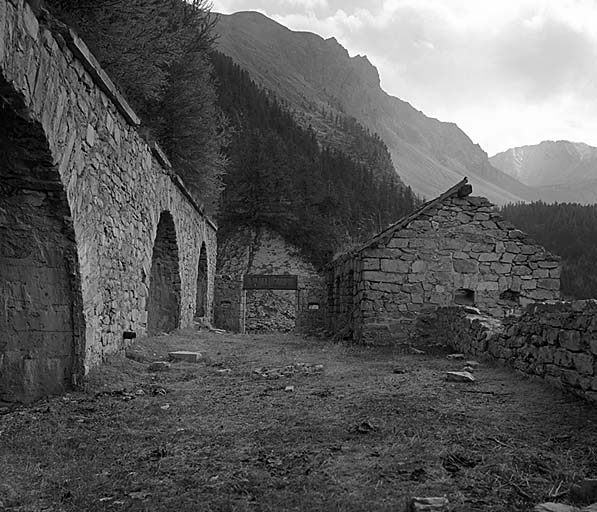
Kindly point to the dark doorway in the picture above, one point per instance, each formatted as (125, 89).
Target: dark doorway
(163, 305)
(40, 291)
(201, 303)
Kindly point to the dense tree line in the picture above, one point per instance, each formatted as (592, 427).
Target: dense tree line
(318, 198)
(569, 230)
(157, 52)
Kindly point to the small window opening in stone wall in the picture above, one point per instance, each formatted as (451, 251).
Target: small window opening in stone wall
(465, 297)
(163, 305)
(313, 306)
(201, 303)
(511, 297)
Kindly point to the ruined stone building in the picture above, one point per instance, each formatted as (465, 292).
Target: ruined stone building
(264, 284)
(455, 249)
(99, 240)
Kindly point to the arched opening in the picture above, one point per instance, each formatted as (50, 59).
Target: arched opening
(163, 304)
(41, 321)
(201, 303)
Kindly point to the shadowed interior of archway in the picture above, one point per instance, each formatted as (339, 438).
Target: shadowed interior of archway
(39, 286)
(201, 303)
(163, 306)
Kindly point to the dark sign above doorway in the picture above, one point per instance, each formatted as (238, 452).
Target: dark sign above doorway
(270, 282)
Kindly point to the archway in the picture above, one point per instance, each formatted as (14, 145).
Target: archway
(201, 303)
(163, 305)
(41, 321)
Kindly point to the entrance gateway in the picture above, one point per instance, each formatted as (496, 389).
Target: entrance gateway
(271, 302)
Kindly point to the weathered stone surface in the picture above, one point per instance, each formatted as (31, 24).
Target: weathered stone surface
(459, 377)
(436, 504)
(452, 258)
(185, 355)
(159, 366)
(99, 197)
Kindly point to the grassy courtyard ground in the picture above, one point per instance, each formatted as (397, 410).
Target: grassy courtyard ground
(364, 433)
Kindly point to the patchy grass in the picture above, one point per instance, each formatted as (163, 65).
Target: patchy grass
(367, 432)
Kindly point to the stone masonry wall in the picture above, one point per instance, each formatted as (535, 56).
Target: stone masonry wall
(264, 252)
(555, 341)
(458, 251)
(116, 185)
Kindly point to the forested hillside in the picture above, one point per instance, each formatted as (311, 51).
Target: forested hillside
(569, 230)
(157, 52)
(319, 198)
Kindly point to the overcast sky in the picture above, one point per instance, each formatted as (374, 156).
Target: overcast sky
(508, 72)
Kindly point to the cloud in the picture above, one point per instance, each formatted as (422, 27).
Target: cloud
(504, 71)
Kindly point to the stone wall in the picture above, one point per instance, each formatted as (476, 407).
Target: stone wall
(555, 341)
(113, 186)
(265, 252)
(458, 250)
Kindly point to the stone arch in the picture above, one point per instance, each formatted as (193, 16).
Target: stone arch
(163, 305)
(41, 318)
(201, 306)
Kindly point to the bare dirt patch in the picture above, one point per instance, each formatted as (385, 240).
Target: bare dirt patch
(364, 433)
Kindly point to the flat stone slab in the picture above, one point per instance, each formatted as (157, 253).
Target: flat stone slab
(439, 504)
(453, 357)
(459, 377)
(185, 355)
(159, 366)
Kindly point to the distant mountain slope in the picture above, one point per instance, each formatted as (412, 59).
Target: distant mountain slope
(319, 79)
(561, 170)
(280, 177)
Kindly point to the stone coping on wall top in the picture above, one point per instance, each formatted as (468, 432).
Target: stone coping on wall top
(81, 51)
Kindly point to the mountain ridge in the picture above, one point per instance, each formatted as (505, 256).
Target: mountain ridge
(560, 170)
(315, 74)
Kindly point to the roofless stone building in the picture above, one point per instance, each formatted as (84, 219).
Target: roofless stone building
(455, 249)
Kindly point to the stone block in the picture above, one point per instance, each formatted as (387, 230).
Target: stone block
(419, 266)
(394, 266)
(483, 247)
(376, 276)
(185, 355)
(570, 340)
(549, 284)
(466, 266)
(521, 270)
(549, 264)
(488, 286)
(501, 268)
(512, 247)
(159, 366)
(371, 264)
(398, 243)
(563, 358)
(489, 256)
(507, 257)
(529, 249)
(584, 363)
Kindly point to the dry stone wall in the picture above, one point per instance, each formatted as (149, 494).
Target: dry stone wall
(115, 186)
(555, 341)
(458, 251)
